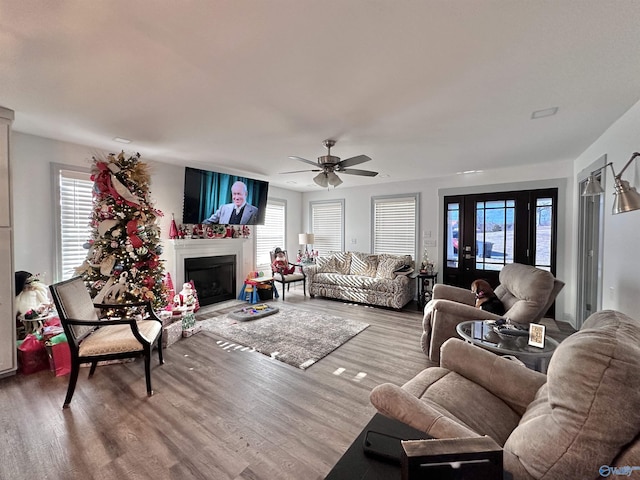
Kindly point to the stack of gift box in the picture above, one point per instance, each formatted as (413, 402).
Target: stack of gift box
(177, 324)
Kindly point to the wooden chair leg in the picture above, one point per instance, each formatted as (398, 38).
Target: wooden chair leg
(92, 370)
(160, 359)
(73, 379)
(147, 369)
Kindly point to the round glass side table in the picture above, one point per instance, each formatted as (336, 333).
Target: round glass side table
(482, 334)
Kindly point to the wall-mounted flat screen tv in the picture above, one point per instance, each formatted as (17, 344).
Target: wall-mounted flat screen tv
(220, 198)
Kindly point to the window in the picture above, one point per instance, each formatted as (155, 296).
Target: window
(73, 207)
(271, 234)
(394, 224)
(327, 225)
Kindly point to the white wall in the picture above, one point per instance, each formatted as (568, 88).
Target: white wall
(33, 222)
(621, 262)
(33, 196)
(358, 211)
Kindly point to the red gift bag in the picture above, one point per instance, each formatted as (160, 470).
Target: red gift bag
(61, 358)
(32, 355)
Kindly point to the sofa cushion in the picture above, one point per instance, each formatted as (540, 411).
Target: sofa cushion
(387, 264)
(465, 401)
(524, 291)
(343, 262)
(589, 408)
(326, 264)
(364, 264)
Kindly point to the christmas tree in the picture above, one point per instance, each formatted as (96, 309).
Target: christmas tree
(123, 263)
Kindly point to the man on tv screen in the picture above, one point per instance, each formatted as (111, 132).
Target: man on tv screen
(237, 213)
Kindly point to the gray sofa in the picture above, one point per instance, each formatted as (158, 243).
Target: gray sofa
(580, 420)
(362, 278)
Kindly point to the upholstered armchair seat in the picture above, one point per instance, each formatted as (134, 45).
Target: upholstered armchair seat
(118, 338)
(527, 294)
(585, 413)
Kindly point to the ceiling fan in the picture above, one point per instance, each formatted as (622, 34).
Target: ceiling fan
(329, 164)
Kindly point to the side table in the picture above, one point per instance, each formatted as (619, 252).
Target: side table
(426, 281)
(481, 333)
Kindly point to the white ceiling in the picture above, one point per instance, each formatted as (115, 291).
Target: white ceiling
(423, 87)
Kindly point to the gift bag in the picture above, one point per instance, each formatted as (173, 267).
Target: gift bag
(32, 355)
(60, 355)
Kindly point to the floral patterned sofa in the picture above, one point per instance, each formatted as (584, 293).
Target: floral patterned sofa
(361, 277)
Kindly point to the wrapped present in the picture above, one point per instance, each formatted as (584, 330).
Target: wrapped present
(171, 334)
(192, 330)
(32, 355)
(59, 355)
(188, 320)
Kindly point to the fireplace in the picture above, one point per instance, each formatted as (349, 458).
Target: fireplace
(214, 277)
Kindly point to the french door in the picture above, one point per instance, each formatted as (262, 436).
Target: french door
(484, 232)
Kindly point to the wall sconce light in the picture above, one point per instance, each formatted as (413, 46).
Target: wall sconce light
(626, 198)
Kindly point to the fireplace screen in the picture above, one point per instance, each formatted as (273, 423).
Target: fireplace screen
(213, 277)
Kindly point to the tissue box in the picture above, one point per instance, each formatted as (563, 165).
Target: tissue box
(479, 458)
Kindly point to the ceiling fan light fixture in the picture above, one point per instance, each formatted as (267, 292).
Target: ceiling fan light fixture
(321, 180)
(333, 179)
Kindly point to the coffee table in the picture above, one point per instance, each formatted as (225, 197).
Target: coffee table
(481, 333)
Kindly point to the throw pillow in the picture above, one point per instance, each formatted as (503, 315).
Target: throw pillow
(387, 265)
(343, 262)
(326, 264)
(364, 264)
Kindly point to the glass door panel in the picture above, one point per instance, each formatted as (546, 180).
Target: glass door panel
(453, 216)
(543, 231)
(495, 222)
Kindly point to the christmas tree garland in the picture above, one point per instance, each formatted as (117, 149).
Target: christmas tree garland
(123, 259)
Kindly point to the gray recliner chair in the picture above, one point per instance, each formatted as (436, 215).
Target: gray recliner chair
(527, 293)
(580, 420)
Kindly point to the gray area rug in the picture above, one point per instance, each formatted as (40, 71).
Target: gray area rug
(292, 335)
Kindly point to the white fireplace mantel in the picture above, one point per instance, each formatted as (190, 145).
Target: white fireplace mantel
(178, 250)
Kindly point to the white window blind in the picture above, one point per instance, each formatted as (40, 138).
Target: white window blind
(271, 234)
(327, 225)
(394, 225)
(75, 209)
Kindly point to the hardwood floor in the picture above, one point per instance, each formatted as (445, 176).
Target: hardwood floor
(217, 413)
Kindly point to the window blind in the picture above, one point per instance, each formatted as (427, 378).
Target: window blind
(76, 207)
(271, 234)
(394, 225)
(327, 225)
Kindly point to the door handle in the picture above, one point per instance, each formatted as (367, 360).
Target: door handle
(468, 256)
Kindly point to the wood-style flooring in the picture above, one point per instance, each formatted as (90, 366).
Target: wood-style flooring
(217, 413)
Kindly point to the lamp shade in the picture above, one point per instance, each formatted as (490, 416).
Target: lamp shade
(306, 238)
(321, 179)
(593, 187)
(334, 180)
(626, 198)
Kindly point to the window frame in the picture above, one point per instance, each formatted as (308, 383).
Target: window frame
(390, 199)
(318, 245)
(57, 170)
(271, 202)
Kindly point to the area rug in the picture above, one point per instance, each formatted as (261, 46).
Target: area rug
(294, 336)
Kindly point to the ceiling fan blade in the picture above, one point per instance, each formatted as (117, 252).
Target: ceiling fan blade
(355, 171)
(300, 171)
(304, 160)
(349, 162)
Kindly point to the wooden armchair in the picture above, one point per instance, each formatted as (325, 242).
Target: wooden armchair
(131, 330)
(284, 271)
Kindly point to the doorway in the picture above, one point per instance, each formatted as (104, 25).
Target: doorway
(484, 232)
(590, 242)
